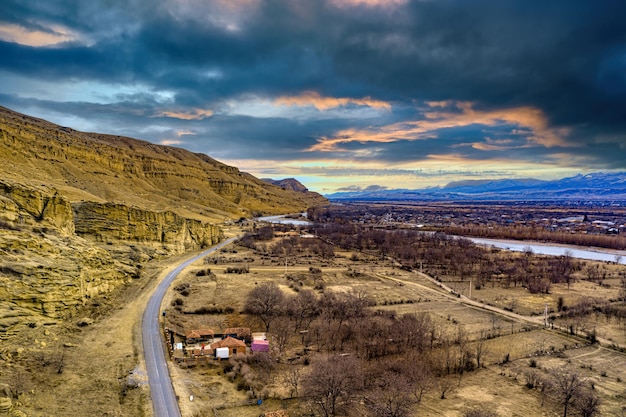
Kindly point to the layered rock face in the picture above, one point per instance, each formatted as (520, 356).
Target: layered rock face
(288, 184)
(28, 205)
(104, 168)
(55, 255)
(80, 212)
(110, 221)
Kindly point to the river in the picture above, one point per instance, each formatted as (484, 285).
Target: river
(594, 254)
(282, 219)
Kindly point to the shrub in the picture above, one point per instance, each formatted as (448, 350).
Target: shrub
(479, 412)
(237, 270)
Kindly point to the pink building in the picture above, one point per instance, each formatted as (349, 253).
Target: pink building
(260, 346)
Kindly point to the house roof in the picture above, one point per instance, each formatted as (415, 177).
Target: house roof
(198, 333)
(229, 342)
(239, 331)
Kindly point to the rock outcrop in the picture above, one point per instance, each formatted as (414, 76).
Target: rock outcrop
(288, 184)
(110, 221)
(131, 172)
(80, 212)
(21, 204)
(55, 256)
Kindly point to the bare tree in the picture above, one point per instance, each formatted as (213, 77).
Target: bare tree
(532, 379)
(59, 362)
(567, 266)
(264, 366)
(293, 378)
(391, 397)
(587, 403)
(20, 382)
(545, 387)
(303, 308)
(332, 383)
(567, 385)
(420, 375)
(480, 349)
(265, 302)
(444, 384)
(280, 333)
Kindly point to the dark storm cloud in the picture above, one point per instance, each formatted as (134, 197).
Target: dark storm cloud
(566, 59)
(221, 136)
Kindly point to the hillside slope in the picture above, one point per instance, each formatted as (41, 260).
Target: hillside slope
(81, 213)
(103, 168)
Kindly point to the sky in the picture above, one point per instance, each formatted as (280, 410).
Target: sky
(340, 94)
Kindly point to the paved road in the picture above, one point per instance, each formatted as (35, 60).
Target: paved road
(164, 400)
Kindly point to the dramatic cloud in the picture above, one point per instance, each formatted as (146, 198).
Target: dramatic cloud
(524, 118)
(194, 114)
(337, 93)
(312, 98)
(44, 36)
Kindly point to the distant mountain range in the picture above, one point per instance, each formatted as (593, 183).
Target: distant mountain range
(590, 187)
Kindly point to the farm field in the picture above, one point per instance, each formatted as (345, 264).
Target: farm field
(512, 351)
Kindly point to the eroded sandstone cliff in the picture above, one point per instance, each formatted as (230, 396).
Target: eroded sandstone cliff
(55, 255)
(110, 221)
(114, 169)
(80, 212)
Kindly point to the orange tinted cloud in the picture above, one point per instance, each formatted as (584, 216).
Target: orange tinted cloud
(495, 145)
(312, 98)
(195, 114)
(23, 36)
(438, 118)
(171, 142)
(185, 133)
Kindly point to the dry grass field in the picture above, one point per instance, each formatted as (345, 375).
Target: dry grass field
(501, 384)
(102, 362)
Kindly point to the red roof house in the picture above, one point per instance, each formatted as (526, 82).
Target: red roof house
(198, 336)
(234, 346)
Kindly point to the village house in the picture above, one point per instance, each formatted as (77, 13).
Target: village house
(199, 336)
(203, 350)
(259, 346)
(241, 333)
(235, 346)
(259, 336)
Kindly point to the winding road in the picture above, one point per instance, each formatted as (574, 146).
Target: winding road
(164, 400)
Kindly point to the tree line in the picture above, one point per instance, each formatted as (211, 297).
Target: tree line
(443, 256)
(382, 362)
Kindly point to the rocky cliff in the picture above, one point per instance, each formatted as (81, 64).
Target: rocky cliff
(45, 268)
(113, 169)
(80, 212)
(288, 184)
(55, 255)
(110, 221)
